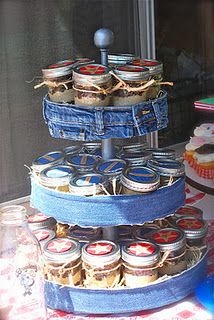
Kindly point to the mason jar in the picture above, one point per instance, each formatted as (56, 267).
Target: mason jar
(83, 162)
(140, 263)
(92, 83)
(134, 147)
(140, 232)
(58, 78)
(44, 235)
(46, 161)
(162, 153)
(112, 169)
(101, 263)
(62, 262)
(93, 148)
(137, 158)
(188, 211)
(40, 221)
(57, 177)
(169, 170)
(133, 78)
(155, 70)
(83, 61)
(124, 233)
(195, 230)
(172, 243)
(139, 180)
(118, 59)
(90, 184)
(84, 234)
(72, 149)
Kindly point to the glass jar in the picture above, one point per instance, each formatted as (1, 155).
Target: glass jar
(155, 70)
(195, 230)
(162, 153)
(124, 233)
(172, 244)
(73, 149)
(138, 180)
(118, 59)
(135, 147)
(92, 83)
(58, 78)
(88, 185)
(40, 221)
(21, 276)
(169, 170)
(83, 61)
(83, 162)
(101, 262)
(57, 177)
(84, 235)
(188, 211)
(112, 170)
(140, 263)
(46, 161)
(137, 158)
(140, 232)
(62, 262)
(132, 79)
(43, 236)
(93, 148)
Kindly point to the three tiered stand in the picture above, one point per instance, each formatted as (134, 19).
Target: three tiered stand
(110, 211)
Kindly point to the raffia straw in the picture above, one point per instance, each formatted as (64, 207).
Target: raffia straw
(53, 84)
(114, 183)
(104, 189)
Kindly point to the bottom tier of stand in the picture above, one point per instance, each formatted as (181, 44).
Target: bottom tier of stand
(122, 300)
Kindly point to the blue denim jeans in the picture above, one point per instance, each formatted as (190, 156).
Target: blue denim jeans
(95, 123)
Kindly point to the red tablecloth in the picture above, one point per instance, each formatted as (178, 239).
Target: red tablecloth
(186, 309)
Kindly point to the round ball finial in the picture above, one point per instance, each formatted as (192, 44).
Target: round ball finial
(103, 38)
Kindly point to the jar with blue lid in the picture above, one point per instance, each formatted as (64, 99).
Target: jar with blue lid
(112, 169)
(131, 80)
(47, 160)
(139, 180)
(137, 158)
(84, 235)
(83, 162)
(73, 149)
(94, 148)
(90, 184)
(57, 177)
(135, 147)
(162, 153)
(169, 170)
(58, 78)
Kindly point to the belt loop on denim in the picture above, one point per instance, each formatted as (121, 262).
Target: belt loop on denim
(135, 118)
(44, 107)
(99, 120)
(157, 112)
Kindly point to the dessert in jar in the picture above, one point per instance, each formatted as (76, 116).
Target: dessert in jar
(47, 160)
(169, 170)
(140, 263)
(58, 78)
(84, 235)
(140, 232)
(195, 230)
(138, 180)
(172, 243)
(162, 153)
(62, 262)
(118, 59)
(112, 170)
(137, 158)
(57, 177)
(188, 211)
(90, 184)
(155, 70)
(83, 162)
(44, 235)
(101, 262)
(131, 79)
(92, 83)
(40, 221)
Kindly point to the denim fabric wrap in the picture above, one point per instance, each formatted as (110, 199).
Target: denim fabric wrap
(74, 122)
(126, 300)
(108, 210)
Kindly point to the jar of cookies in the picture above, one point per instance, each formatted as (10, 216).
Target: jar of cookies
(62, 262)
(137, 158)
(46, 161)
(40, 221)
(84, 235)
(82, 162)
(101, 262)
(92, 83)
(140, 263)
(44, 235)
(90, 184)
(188, 211)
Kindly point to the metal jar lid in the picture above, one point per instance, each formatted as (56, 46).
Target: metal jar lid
(62, 249)
(101, 252)
(140, 232)
(59, 175)
(192, 227)
(58, 69)
(87, 184)
(137, 158)
(111, 167)
(171, 239)
(141, 253)
(140, 179)
(134, 148)
(160, 153)
(84, 234)
(40, 221)
(83, 61)
(82, 162)
(124, 231)
(47, 160)
(189, 211)
(132, 73)
(120, 58)
(93, 72)
(154, 66)
(44, 235)
(73, 149)
(167, 167)
(94, 148)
